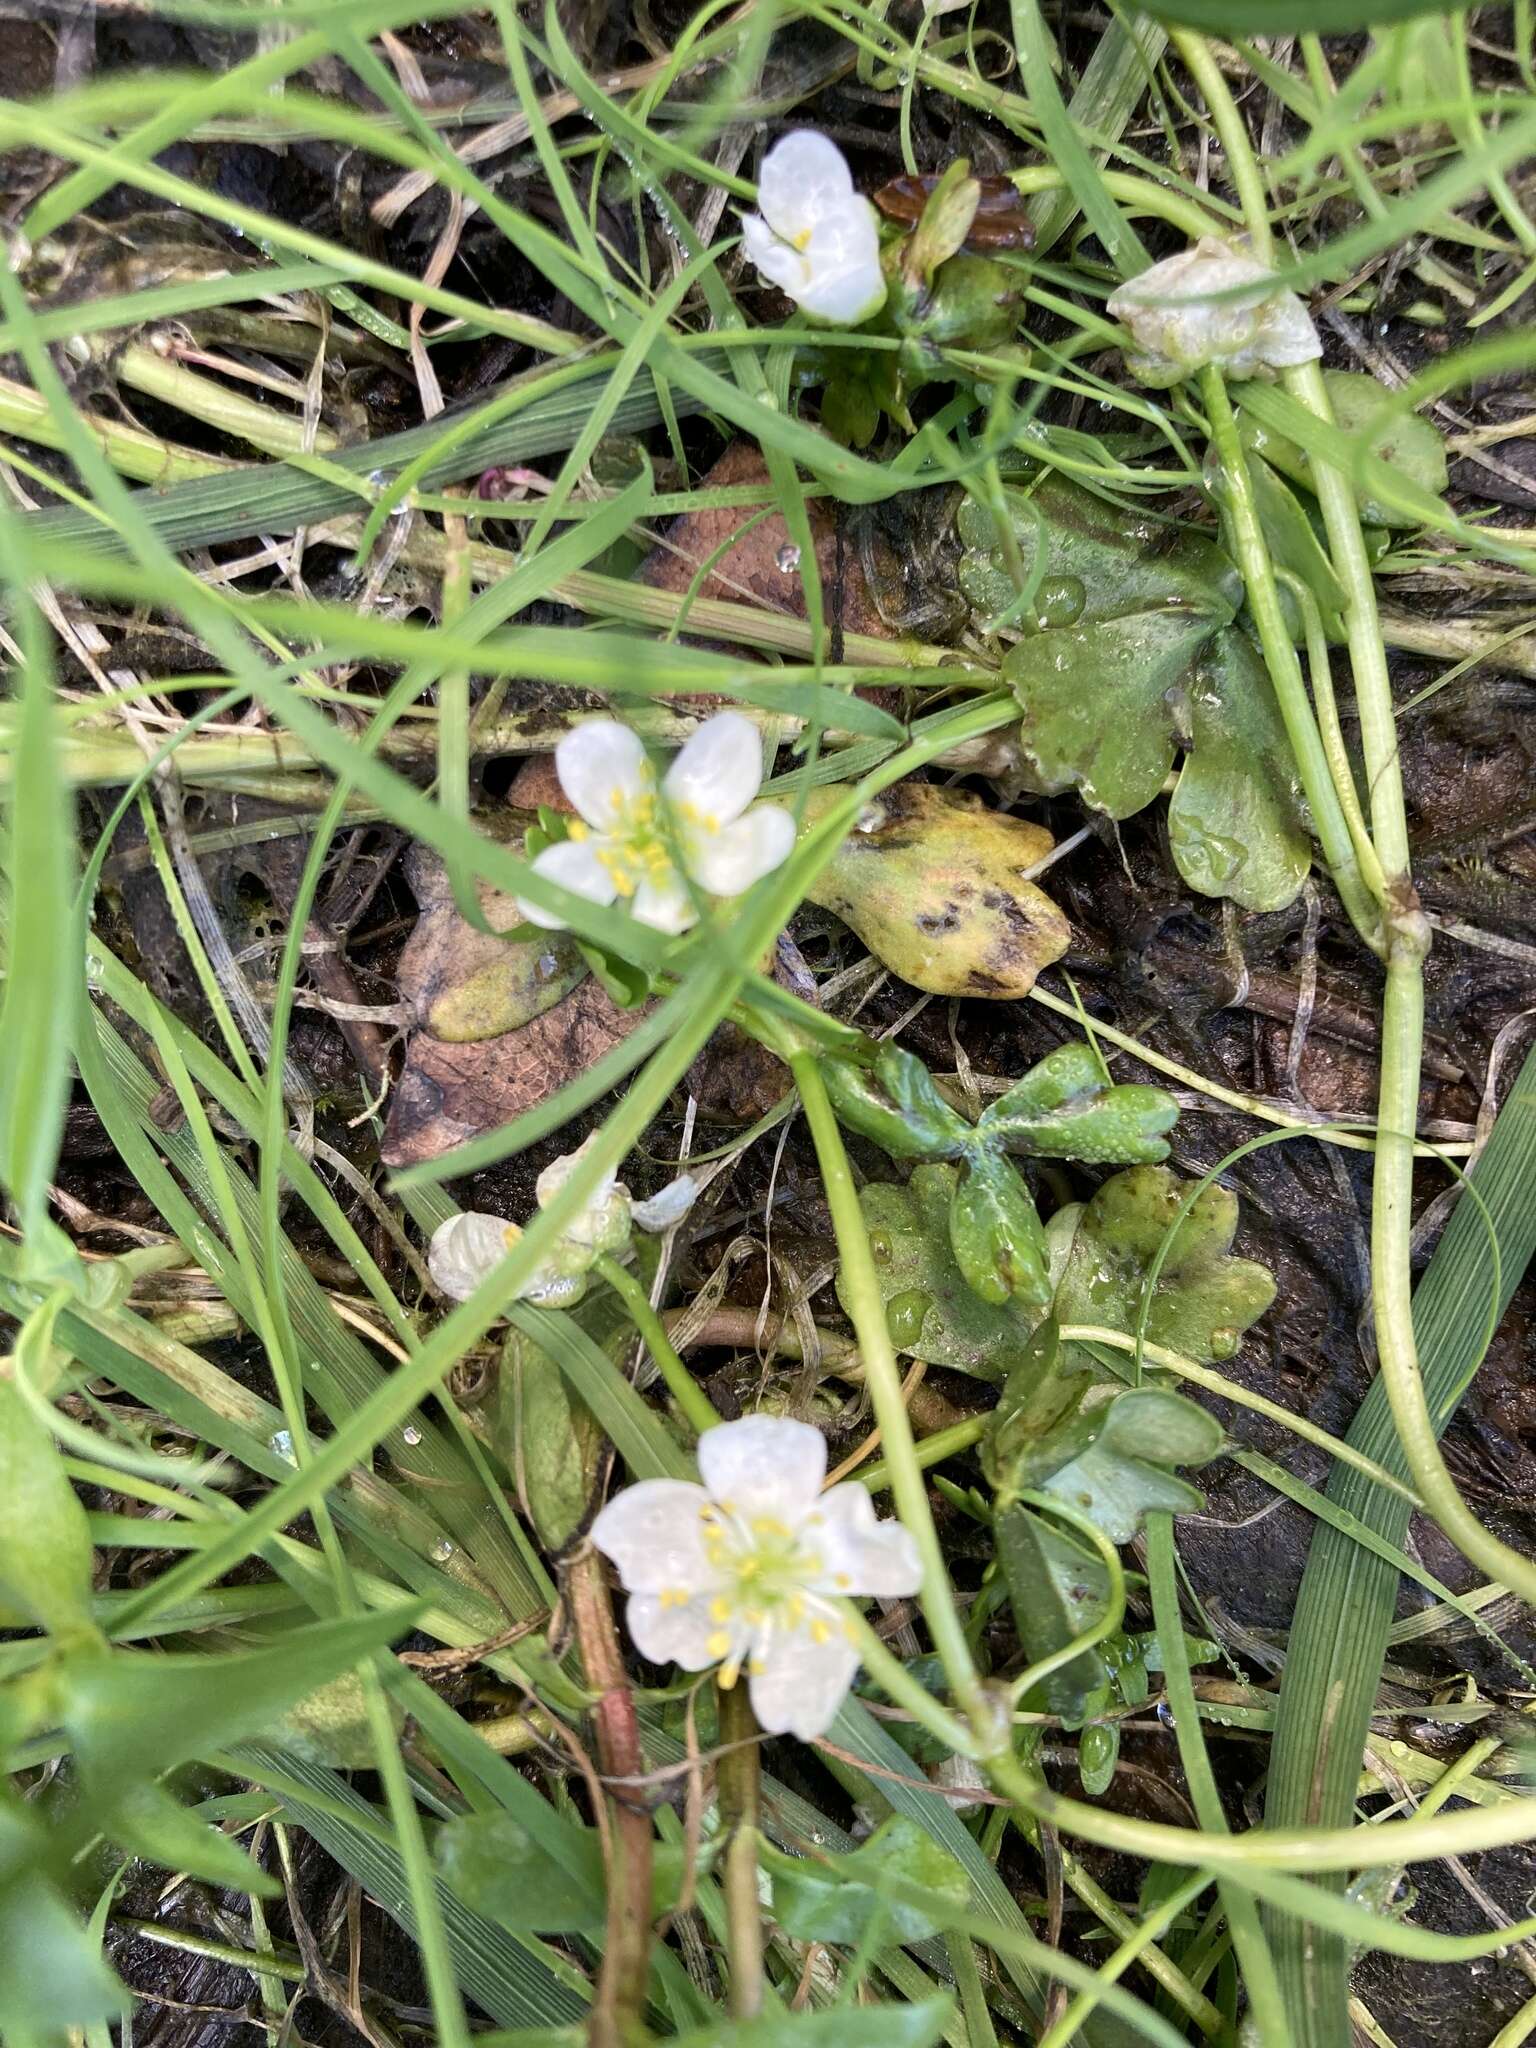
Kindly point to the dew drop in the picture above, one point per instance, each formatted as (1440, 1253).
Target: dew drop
(411, 1433)
(442, 1550)
(788, 559)
(280, 1444)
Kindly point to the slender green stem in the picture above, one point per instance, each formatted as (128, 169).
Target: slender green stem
(1326, 705)
(740, 1783)
(1312, 761)
(866, 1310)
(685, 1390)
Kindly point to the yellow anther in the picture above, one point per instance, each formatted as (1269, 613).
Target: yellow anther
(841, 1579)
(578, 831)
(674, 1596)
(821, 1632)
(769, 1525)
(719, 1645)
(511, 1234)
(719, 1608)
(756, 1667)
(748, 1568)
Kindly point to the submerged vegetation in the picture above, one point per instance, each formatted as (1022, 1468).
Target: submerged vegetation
(768, 933)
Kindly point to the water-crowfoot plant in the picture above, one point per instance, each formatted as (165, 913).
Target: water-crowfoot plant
(642, 842)
(750, 1571)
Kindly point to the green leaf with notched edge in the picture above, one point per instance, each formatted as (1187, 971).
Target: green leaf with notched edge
(1204, 1299)
(841, 1898)
(895, 1103)
(1236, 822)
(932, 1312)
(1066, 1107)
(1408, 444)
(996, 1233)
(1106, 703)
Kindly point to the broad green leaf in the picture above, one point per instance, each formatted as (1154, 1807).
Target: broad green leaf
(933, 1314)
(857, 2026)
(331, 1726)
(1204, 1299)
(937, 886)
(1103, 561)
(1408, 444)
(149, 1821)
(1101, 1448)
(996, 1234)
(896, 1103)
(1058, 1590)
(496, 1866)
(1235, 821)
(1123, 1474)
(1066, 1107)
(45, 1542)
(134, 1715)
(1107, 703)
(841, 1898)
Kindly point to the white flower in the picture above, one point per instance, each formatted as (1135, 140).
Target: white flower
(472, 1244)
(1177, 329)
(748, 1569)
(816, 238)
(629, 835)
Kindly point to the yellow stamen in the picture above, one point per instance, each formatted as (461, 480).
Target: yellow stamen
(821, 1632)
(511, 1234)
(578, 831)
(719, 1608)
(719, 1645)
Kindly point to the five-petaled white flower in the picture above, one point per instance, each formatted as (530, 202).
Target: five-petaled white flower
(749, 1568)
(472, 1244)
(1177, 329)
(816, 238)
(630, 837)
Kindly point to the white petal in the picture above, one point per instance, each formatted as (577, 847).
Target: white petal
(465, 1249)
(720, 768)
(860, 1553)
(602, 767)
(669, 1207)
(559, 1171)
(664, 906)
(671, 1634)
(654, 1533)
(846, 283)
(803, 1683)
(574, 864)
(776, 260)
(728, 862)
(764, 1465)
(804, 177)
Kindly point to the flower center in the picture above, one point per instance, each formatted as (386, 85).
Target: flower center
(768, 1568)
(646, 836)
